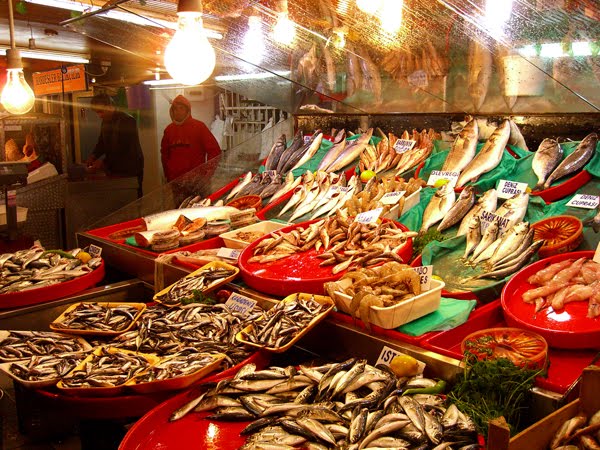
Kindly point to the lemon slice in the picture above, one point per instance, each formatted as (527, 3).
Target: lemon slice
(439, 183)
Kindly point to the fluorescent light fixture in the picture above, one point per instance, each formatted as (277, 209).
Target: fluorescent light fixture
(528, 51)
(581, 48)
(252, 76)
(164, 82)
(50, 55)
(554, 50)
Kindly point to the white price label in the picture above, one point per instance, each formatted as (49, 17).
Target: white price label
(307, 139)
(404, 145)
(229, 253)
(425, 273)
(335, 189)
(508, 189)
(95, 251)
(436, 175)
(386, 355)
(487, 218)
(369, 216)
(418, 79)
(270, 173)
(240, 303)
(391, 198)
(584, 201)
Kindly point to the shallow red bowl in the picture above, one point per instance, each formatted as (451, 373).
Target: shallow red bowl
(569, 186)
(296, 273)
(569, 328)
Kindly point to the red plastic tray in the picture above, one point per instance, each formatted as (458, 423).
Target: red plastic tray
(569, 328)
(464, 295)
(53, 292)
(565, 365)
(569, 186)
(296, 273)
(127, 406)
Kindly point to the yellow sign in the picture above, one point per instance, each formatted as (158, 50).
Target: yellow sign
(67, 79)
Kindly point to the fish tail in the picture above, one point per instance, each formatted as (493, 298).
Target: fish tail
(539, 186)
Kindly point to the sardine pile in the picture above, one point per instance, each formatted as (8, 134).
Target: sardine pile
(42, 368)
(280, 324)
(577, 433)
(181, 364)
(35, 268)
(108, 369)
(565, 282)
(208, 329)
(99, 317)
(25, 344)
(186, 286)
(340, 405)
(346, 243)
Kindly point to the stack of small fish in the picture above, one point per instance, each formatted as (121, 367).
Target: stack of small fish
(347, 243)
(98, 316)
(46, 368)
(206, 328)
(184, 288)
(339, 405)
(280, 324)
(181, 364)
(35, 268)
(575, 430)
(107, 369)
(25, 344)
(565, 282)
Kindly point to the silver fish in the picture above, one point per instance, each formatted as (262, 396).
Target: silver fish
(514, 265)
(459, 209)
(514, 208)
(516, 137)
(275, 153)
(526, 242)
(414, 411)
(463, 149)
(314, 146)
(351, 152)
(438, 206)
(473, 236)
(339, 144)
(487, 202)
(296, 144)
(545, 160)
(576, 160)
(509, 241)
(489, 236)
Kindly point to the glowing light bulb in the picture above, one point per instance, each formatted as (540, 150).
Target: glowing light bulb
(254, 44)
(497, 13)
(390, 15)
(189, 57)
(284, 31)
(369, 6)
(17, 97)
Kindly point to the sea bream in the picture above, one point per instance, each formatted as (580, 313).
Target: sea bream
(576, 160)
(463, 149)
(166, 219)
(489, 157)
(487, 202)
(438, 206)
(545, 160)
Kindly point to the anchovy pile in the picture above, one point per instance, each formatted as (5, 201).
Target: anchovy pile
(35, 268)
(25, 344)
(206, 328)
(46, 368)
(280, 324)
(341, 405)
(181, 364)
(108, 369)
(97, 316)
(185, 287)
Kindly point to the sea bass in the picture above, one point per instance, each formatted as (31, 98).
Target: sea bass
(487, 202)
(547, 157)
(241, 185)
(576, 160)
(166, 219)
(438, 206)
(465, 202)
(310, 152)
(339, 144)
(351, 152)
(489, 157)
(463, 148)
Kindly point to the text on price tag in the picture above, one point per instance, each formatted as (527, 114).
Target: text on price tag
(584, 201)
(436, 175)
(424, 273)
(95, 251)
(369, 216)
(240, 303)
(487, 218)
(404, 145)
(418, 79)
(386, 355)
(508, 189)
(228, 253)
(391, 198)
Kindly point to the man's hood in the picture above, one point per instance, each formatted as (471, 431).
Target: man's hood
(180, 99)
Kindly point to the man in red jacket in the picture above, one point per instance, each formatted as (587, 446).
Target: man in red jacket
(187, 143)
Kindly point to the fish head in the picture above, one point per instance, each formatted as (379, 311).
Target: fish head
(444, 190)
(467, 192)
(591, 140)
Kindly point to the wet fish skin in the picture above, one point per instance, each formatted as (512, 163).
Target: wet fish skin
(459, 209)
(509, 241)
(297, 143)
(463, 149)
(438, 206)
(351, 152)
(514, 208)
(487, 202)
(514, 265)
(338, 147)
(473, 236)
(275, 153)
(545, 160)
(489, 236)
(576, 160)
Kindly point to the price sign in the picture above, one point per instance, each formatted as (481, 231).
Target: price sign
(487, 218)
(391, 198)
(386, 355)
(270, 173)
(508, 189)
(307, 139)
(228, 253)
(404, 145)
(95, 251)
(369, 216)
(418, 79)
(240, 303)
(436, 175)
(425, 273)
(584, 201)
(335, 189)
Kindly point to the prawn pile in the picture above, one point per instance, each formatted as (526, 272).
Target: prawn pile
(565, 282)
(382, 286)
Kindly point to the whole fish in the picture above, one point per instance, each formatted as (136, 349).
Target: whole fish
(438, 206)
(489, 157)
(273, 187)
(463, 149)
(339, 144)
(307, 67)
(297, 155)
(515, 265)
(487, 202)
(314, 146)
(480, 72)
(166, 219)
(545, 160)
(465, 202)
(297, 143)
(473, 235)
(275, 153)
(522, 255)
(510, 241)
(489, 236)
(371, 79)
(289, 184)
(576, 160)
(353, 73)
(514, 208)
(516, 137)
(526, 242)
(249, 187)
(351, 152)
(241, 184)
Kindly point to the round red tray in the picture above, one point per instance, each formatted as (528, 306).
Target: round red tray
(569, 186)
(296, 273)
(569, 328)
(53, 292)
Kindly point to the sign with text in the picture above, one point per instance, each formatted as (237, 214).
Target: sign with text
(369, 216)
(240, 303)
(386, 355)
(584, 201)
(418, 79)
(487, 218)
(404, 145)
(229, 253)
(68, 79)
(391, 198)
(436, 175)
(95, 251)
(425, 273)
(508, 189)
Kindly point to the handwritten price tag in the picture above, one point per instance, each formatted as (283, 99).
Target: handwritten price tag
(584, 201)
(487, 218)
(240, 303)
(307, 139)
(508, 189)
(95, 251)
(386, 355)
(369, 216)
(425, 273)
(436, 175)
(418, 79)
(404, 145)
(229, 253)
(391, 198)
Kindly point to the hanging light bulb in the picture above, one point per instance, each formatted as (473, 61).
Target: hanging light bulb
(369, 6)
(254, 44)
(284, 31)
(338, 37)
(390, 15)
(497, 14)
(17, 97)
(189, 57)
